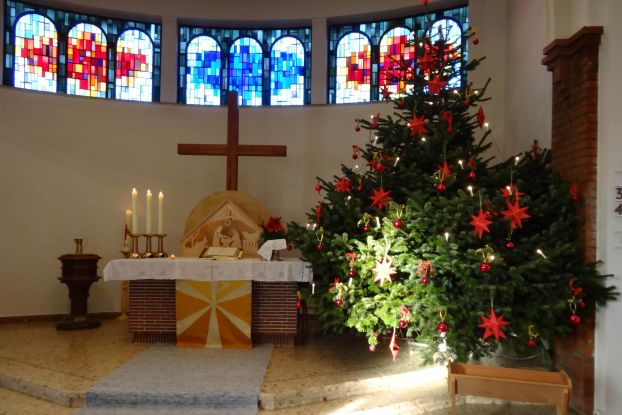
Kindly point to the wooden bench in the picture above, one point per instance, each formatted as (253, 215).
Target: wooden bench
(535, 386)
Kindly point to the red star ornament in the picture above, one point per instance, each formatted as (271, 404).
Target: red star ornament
(443, 171)
(380, 198)
(481, 117)
(426, 62)
(515, 214)
(480, 223)
(435, 85)
(494, 325)
(393, 346)
(417, 125)
(386, 94)
(512, 191)
(343, 185)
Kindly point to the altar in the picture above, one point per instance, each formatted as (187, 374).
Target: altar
(200, 302)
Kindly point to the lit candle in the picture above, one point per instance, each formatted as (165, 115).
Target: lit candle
(134, 214)
(128, 219)
(148, 213)
(160, 212)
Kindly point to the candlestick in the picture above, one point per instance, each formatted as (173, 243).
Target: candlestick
(134, 211)
(148, 213)
(160, 253)
(147, 253)
(160, 212)
(134, 254)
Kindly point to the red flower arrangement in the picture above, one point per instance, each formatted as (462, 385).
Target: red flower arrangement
(273, 229)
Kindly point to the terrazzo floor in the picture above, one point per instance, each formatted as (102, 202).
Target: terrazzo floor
(76, 360)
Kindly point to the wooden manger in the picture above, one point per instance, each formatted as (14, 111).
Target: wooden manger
(534, 386)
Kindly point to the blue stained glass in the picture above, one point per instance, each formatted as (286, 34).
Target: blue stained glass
(449, 30)
(246, 71)
(203, 71)
(287, 62)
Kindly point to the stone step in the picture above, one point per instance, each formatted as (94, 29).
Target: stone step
(163, 410)
(416, 384)
(60, 388)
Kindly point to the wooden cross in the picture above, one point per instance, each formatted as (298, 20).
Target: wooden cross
(232, 149)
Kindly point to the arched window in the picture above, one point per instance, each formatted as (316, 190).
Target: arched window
(246, 71)
(134, 66)
(353, 69)
(87, 61)
(396, 60)
(449, 30)
(36, 53)
(287, 76)
(203, 71)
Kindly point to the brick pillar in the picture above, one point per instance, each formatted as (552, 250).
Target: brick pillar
(574, 64)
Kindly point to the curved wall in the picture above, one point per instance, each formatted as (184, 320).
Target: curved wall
(68, 164)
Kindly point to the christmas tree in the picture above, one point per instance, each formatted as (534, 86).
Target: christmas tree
(425, 238)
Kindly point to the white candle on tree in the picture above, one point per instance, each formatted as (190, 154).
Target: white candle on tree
(160, 212)
(148, 213)
(134, 214)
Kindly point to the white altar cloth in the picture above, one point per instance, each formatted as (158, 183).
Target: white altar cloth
(203, 269)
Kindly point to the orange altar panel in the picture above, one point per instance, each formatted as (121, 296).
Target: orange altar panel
(214, 314)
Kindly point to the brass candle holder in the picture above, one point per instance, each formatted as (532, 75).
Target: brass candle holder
(134, 254)
(160, 253)
(148, 253)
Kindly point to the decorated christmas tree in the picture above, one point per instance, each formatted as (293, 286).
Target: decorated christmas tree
(424, 237)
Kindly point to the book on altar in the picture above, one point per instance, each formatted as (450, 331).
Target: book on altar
(222, 252)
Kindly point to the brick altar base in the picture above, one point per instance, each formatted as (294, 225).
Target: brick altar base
(152, 312)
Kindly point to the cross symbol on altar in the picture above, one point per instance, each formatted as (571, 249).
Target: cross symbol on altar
(232, 149)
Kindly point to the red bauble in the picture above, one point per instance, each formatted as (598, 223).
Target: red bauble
(574, 319)
(366, 228)
(357, 128)
(397, 224)
(484, 267)
(425, 280)
(582, 304)
(351, 273)
(472, 176)
(440, 187)
(338, 302)
(290, 247)
(574, 197)
(467, 103)
(532, 342)
(403, 323)
(359, 188)
(378, 166)
(319, 246)
(442, 327)
(475, 41)
(355, 156)
(317, 187)
(372, 348)
(509, 245)
(298, 305)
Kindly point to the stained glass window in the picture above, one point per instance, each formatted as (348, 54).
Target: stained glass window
(384, 37)
(246, 71)
(396, 61)
(82, 52)
(203, 71)
(284, 64)
(87, 61)
(353, 69)
(36, 53)
(449, 30)
(287, 72)
(134, 68)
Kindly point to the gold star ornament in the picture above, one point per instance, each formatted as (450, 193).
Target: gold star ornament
(384, 271)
